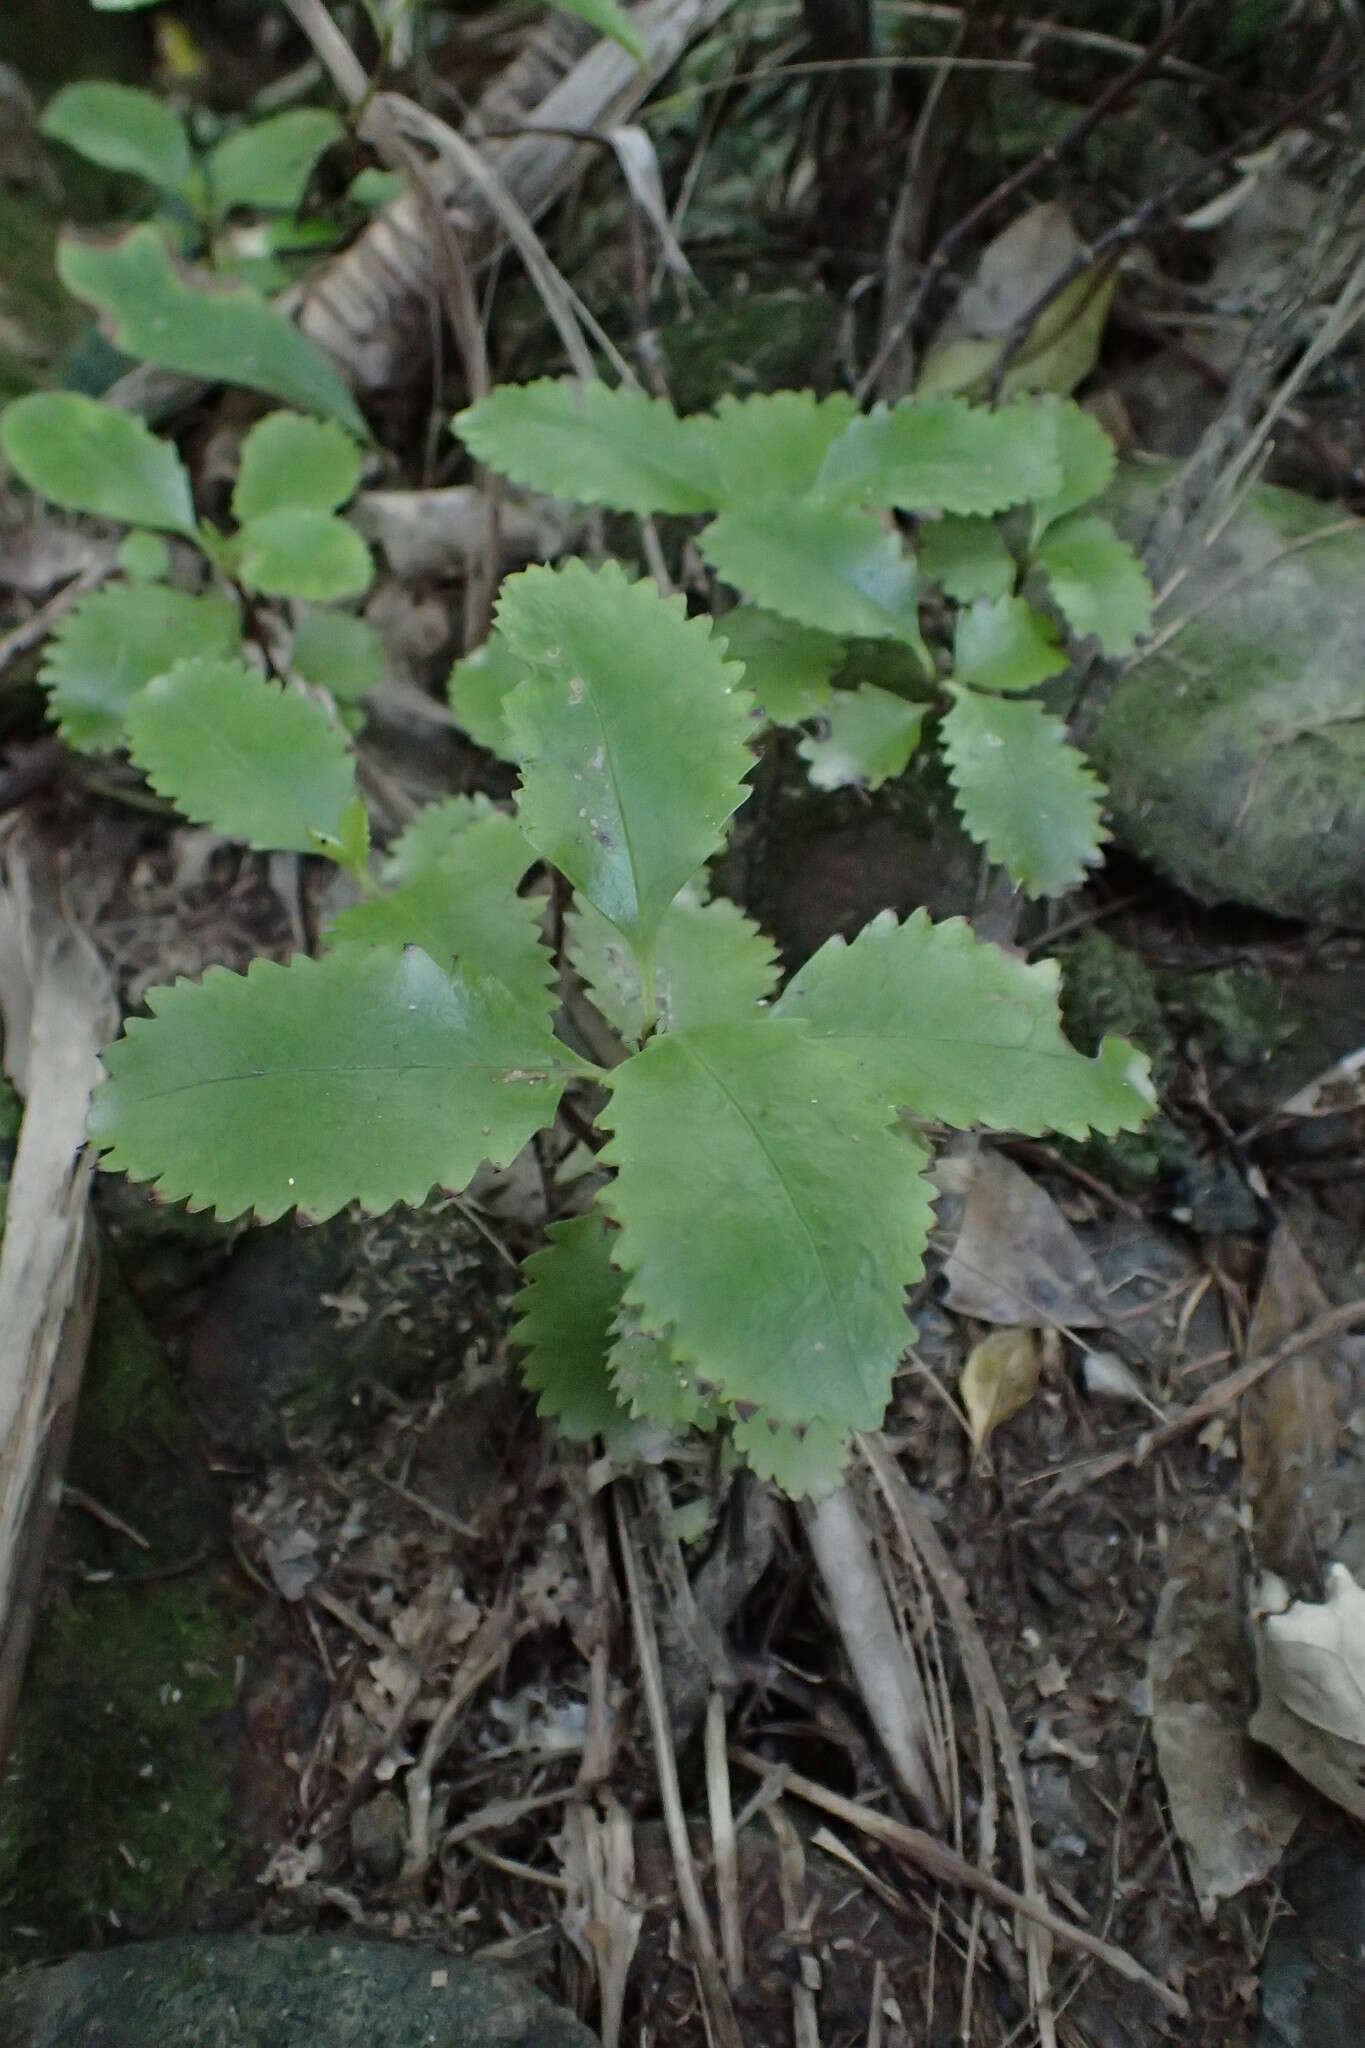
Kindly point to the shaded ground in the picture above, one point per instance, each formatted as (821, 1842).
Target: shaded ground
(330, 1619)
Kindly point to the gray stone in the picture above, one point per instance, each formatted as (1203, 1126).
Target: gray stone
(1235, 754)
(278, 1991)
(379, 1834)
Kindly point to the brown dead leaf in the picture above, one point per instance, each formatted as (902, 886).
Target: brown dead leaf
(1233, 1814)
(1291, 1423)
(1016, 1259)
(999, 1378)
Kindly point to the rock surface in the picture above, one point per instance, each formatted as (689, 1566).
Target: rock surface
(278, 1991)
(1235, 753)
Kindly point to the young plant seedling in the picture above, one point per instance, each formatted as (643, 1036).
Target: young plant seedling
(763, 1205)
(143, 665)
(804, 494)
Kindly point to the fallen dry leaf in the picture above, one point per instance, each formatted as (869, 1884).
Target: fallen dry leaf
(1311, 1665)
(1290, 1425)
(1016, 1259)
(999, 1378)
(1233, 1814)
(1332, 1093)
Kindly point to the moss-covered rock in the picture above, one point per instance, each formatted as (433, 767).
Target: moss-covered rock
(1235, 752)
(279, 1991)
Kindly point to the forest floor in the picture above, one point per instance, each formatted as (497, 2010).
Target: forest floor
(334, 1633)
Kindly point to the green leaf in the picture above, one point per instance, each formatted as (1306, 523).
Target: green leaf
(609, 20)
(711, 966)
(257, 762)
(595, 445)
(93, 458)
(289, 459)
(966, 557)
(479, 687)
(1088, 458)
(1025, 793)
(122, 129)
(770, 1219)
(868, 737)
(942, 454)
(772, 444)
(787, 667)
(566, 1316)
(1098, 583)
(823, 565)
(650, 1383)
(630, 732)
(1003, 644)
(339, 652)
(227, 335)
(111, 645)
(268, 164)
(364, 1077)
(296, 552)
(801, 1462)
(349, 845)
(463, 906)
(954, 1029)
(144, 557)
(432, 833)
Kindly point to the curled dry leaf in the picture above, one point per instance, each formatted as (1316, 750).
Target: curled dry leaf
(999, 1378)
(1310, 1662)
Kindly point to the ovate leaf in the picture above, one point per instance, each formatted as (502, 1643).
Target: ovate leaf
(269, 163)
(365, 1077)
(122, 129)
(463, 906)
(93, 458)
(144, 557)
(1088, 458)
(966, 557)
(802, 1461)
(787, 668)
(432, 833)
(226, 334)
(297, 552)
(771, 1221)
(711, 966)
(111, 645)
(942, 454)
(1097, 581)
(829, 566)
(479, 687)
(630, 733)
(1003, 644)
(566, 1316)
(260, 763)
(868, 736)
(341, 653)
(960, 1031)
(1024, 791)
(1000, 1377)
(595, 445)
(609, 19)
(289, 459)
(772, 444)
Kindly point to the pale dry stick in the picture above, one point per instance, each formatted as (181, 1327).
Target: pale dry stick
(945, 1867)
(918, 1533)
(501, 1813)
(77, 1497)
(724, 1843)
(485, 1652)
(876, 2018)
(791, 1881)
(1219, 1396)
(887, 1675)
(599, 1742)
(716, 1997)
(511, 1867)
(1050, 32)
